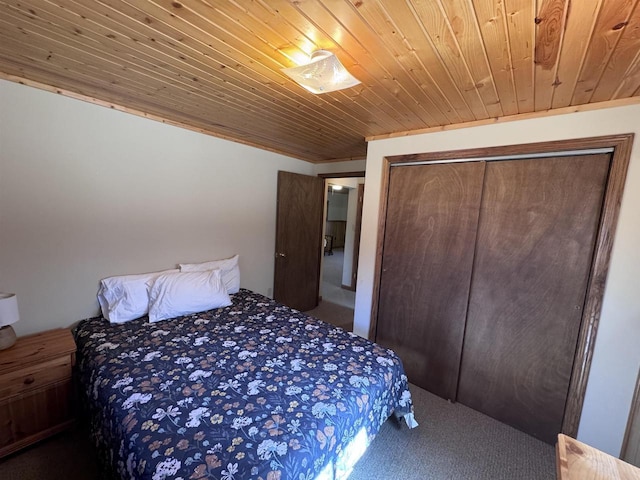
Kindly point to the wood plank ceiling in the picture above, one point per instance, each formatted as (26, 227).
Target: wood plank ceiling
(214, 66)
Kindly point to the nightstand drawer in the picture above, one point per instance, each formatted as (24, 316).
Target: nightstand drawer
(30, 378)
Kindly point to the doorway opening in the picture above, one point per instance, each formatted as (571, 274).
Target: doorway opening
(341, 245)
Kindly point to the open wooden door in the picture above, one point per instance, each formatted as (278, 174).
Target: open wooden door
(298, 240)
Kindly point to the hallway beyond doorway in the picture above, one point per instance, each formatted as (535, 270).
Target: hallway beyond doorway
(331, 287)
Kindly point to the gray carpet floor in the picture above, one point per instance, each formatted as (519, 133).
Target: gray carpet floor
(331, 285)
(452, 442)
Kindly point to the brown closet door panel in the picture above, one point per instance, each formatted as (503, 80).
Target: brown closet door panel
(432, 216)
(538, 224)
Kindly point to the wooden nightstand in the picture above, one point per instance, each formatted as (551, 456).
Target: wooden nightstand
(35, 388)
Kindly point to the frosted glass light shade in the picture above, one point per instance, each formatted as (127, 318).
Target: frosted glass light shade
(8, 309)
(324, 73)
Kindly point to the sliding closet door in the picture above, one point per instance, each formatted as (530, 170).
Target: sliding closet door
(431, 222)
(538, 225)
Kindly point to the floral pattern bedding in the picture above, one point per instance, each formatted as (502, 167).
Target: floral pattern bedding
(256, 390)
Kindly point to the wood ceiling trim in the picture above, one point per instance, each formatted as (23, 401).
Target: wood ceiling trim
(369, 107)
(243, 126)
(97, 101)
(147, 82)
(622, 102)
(199, 22)
(425, 65)
(150, 79)
(167, 45)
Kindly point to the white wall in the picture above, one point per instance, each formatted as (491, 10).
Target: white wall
(617, 352)
(87, 192)
(337, 206)
(340, 167)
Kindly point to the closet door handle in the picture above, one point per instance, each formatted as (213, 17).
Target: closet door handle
(281, 255)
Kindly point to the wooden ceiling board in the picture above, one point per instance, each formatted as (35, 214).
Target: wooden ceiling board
(215, 66)
(417, 43)
(370, 106)
(178, 110)
(306, 35)
(245, 69)
(463, 24)
(240, 113)
(579, 26)
(520, 27)
(623, 63)
(611, 22)
(448, 49)
(390, 45)
(550, 27)
(392, 91)
(492, 21)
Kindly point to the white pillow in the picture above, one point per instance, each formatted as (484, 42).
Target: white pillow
(175, 294)
(126, 297)
(228, 268)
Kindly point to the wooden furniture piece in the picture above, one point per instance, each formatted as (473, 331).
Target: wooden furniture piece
(484, 276)
(35, 388)
(578, 461)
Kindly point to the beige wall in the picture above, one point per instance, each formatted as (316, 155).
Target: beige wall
(617, 352)
(87, 192)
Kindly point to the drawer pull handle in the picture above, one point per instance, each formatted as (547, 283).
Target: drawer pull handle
(29, 380)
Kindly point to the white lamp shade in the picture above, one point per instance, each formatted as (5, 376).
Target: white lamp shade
(8, 309)
(324, 73)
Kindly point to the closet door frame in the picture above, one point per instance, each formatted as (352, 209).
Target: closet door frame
(621, 145)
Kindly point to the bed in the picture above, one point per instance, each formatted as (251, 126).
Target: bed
(255, 390)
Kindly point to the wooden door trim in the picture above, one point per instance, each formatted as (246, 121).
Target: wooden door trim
(620, 157)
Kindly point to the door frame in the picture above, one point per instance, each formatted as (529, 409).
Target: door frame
(620, 157)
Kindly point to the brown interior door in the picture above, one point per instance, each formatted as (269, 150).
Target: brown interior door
(431, 222)
(298, 240)
(538, 225)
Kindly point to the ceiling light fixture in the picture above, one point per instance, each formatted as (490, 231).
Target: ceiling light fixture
(324, 73)
(336, 188)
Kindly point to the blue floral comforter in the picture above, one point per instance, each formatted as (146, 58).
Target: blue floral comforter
(252, 391)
